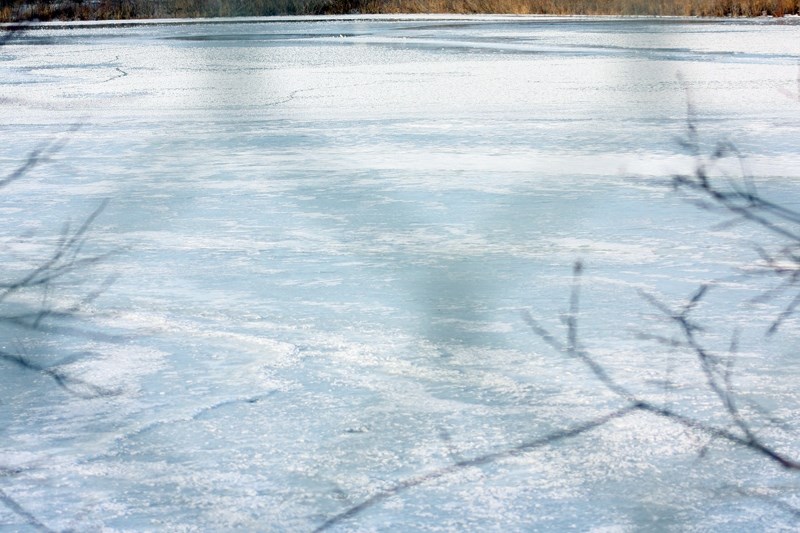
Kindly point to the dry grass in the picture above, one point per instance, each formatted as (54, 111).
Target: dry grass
(19, 10)
(43, 10)
(714, 8)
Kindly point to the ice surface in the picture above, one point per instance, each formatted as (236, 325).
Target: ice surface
(324, 233)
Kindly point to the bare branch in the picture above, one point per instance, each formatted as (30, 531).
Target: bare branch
(708, 364)
(661, 339)
(64, 259)
(73, 385)
(469, 463)
(574, 306)
(746, 442)
(38, 155)
(30, 519)
(786, 313)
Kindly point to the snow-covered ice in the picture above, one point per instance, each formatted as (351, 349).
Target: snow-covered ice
(323, 235)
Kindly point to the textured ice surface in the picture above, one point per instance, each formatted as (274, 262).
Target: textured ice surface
(324, 234)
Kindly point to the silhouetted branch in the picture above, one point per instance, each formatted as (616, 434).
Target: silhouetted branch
(65, 259)
(63, 380)
(38, 155)
(571, 348)
(599, 372)
(786, 313)
(709, 363)
(740, 197)
(481, 460)
(30, 519)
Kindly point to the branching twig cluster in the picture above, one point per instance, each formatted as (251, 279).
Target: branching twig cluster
(30, 518)
(738, 197)
(718, 380)
(68, 258)
(481, 460)
(711, 187)
(716, 369)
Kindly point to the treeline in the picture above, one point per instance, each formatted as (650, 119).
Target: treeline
(25, 10)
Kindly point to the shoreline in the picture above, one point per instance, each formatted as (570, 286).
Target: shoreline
(386, 17)
(40, 11)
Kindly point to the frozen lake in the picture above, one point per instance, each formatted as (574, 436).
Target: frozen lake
(323, 234)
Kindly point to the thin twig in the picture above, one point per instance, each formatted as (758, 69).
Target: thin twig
(68, 383)
(708, 363)
(30, 519)
(481, 460)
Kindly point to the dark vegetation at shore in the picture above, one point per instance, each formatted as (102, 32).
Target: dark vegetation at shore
(43, 10)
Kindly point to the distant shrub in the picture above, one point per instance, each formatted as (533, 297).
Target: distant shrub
(23, 10)
(715, 8)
